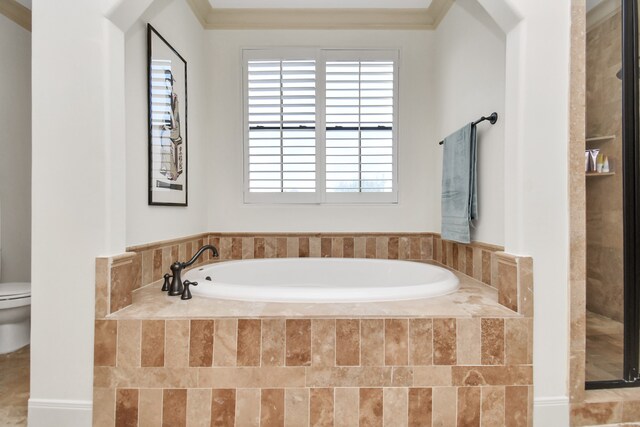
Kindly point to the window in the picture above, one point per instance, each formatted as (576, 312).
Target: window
(320, 126)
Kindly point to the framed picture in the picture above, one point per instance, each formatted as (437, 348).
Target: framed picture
(167, 74)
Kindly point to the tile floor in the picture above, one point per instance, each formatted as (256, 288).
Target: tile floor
(14, 387)
(604, 348)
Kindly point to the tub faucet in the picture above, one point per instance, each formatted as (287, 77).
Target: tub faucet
(176, 287)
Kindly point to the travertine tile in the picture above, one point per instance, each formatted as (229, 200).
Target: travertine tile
(404, 248)
(273, 342)
(396, 407)
(321, 407)
(348, 247)
(347, 342)
(281, 247)
(248, 346)
(492, 407)
(325, 247)
(370, 247)
(396, 337)
(270, 247)
(349, 377)
(174, 408)
(152, 343)
(121, 285)
(293, 249)
(323, 342)
(420, 407)
(259, 248)
(223, 407)
(224, 343)
(415, 251)
(444, 341)
(492, 341)
(303, 247)
(469, 406)
(468, 341)
(157, 265)
(272, 407)
(199, 407)
(251, 377)
(247, 247)
(444, 404)
(372, 342)
(103, 281)
(371, 407)
(129, 343)
(224, 249)
(393, 247)
(486, 267)
(337, 247)
(424, 376)
(105, 342)
(382, 247)
(420, 342)
(296, 407)
(492, 375)
(248, 407)
(507, 285)
(516, 404)
(177, 343)
(104, 407)
(236, 248)
(346, 407)
(426, 248)
(360, 247)
(298, 343)
(126, 407)
(201, 343)
(149, 413)
(517, 337)
(315, 249)
(596, 413)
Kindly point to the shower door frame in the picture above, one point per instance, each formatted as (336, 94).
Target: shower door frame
(631, 201)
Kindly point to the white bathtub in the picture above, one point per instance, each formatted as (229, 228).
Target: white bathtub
(321, 280)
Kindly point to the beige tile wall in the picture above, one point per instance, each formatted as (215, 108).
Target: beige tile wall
(307, 371)
(298, 372)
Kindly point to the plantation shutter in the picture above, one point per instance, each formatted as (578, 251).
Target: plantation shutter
(282, 126)
(359, 126)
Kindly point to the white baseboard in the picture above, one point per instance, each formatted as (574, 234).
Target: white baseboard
(551, 411)
(55, 413)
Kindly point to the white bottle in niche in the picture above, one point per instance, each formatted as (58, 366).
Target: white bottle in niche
(605, 166)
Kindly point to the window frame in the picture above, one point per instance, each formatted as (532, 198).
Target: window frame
(321, 56)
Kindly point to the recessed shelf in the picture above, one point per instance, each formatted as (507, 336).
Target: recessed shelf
(600, 173)
(601, 138)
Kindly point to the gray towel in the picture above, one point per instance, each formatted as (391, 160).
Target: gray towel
(459, 185)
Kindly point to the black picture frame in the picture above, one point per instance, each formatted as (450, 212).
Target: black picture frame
(167, 123)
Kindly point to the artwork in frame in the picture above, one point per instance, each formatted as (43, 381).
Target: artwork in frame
(167, 76)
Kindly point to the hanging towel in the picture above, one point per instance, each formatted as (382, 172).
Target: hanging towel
(459, 185)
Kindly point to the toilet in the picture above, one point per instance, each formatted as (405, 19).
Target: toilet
(15, 316)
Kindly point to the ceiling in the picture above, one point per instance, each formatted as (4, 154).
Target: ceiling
(320, 4)
(320, 14)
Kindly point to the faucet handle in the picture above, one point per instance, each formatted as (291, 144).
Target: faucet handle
(165, 285)
(186, 294)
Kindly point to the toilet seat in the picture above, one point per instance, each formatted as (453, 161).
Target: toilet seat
(13, 291)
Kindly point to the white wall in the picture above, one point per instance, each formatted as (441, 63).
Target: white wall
(177, 24)
(15, 152)
(77, 75)
(416, 147)
(536, 186)
(470, 83)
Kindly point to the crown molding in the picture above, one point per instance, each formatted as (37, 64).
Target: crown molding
(320, 19)
(17, 13)
(601, 13)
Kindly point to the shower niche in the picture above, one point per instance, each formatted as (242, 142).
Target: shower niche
(612, 194)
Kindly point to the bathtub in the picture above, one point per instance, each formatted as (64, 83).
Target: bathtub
(322, 280)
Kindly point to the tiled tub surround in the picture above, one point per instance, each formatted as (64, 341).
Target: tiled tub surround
(461, 359)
